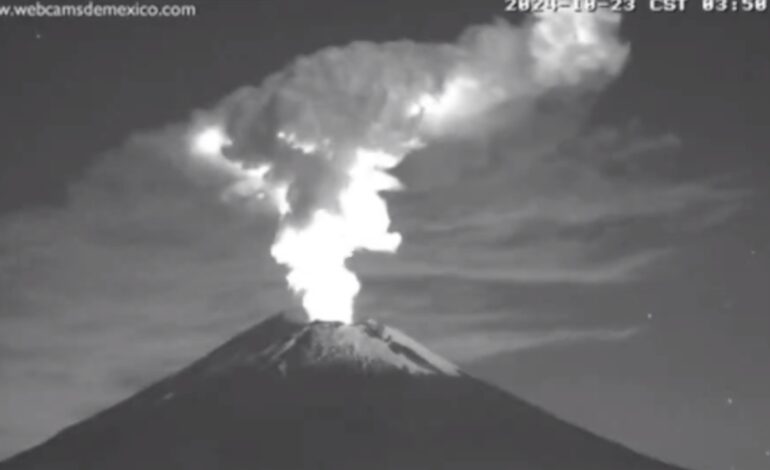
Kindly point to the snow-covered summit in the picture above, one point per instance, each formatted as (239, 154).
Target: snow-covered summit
(367, 345)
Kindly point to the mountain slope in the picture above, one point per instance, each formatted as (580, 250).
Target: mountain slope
(288, 394)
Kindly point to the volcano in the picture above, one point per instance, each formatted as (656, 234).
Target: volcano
(292, 394)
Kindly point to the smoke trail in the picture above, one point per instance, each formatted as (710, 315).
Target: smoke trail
(315, 142)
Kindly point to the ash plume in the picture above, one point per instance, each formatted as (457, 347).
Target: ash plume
(314, 143)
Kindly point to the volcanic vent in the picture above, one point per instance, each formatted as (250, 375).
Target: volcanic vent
(289, 394)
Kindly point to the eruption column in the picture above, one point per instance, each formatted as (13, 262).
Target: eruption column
(315, 142)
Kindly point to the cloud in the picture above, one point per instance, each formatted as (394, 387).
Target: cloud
(469, 347)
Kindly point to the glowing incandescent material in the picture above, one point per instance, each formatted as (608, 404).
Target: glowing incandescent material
(246, 182)
(210, 141)
(454, 100)
(316, 253)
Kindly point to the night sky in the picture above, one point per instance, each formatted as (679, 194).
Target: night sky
(648, 324)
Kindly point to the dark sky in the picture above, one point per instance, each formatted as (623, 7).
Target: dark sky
(691, 387)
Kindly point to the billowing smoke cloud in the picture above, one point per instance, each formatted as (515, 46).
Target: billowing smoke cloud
(315, 142)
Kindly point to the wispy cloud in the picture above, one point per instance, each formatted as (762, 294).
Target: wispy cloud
(586, 210)
(466, 347)
(139, 272)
